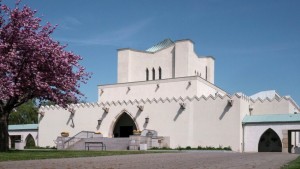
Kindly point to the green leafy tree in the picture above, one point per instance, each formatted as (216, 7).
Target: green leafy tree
(27, 113)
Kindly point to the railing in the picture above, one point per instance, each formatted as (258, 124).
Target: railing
(77, 137)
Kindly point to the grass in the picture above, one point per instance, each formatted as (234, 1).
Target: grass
(293, 164)
(15, 155)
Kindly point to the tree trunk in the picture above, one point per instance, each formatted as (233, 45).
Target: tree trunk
(4, 137)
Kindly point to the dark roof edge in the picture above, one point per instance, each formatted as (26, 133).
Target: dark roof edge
(277, 121)
(184, 40)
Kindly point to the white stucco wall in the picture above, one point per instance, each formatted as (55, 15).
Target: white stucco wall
(197, 125)
(210, 69)
(178, 60)
(274, 106)
(244, 110)
(206, 88)
(56, 120)
(168, 88)
(133, 64)
(124, 66)
(253, 132)
(216, 123)
(198, 66)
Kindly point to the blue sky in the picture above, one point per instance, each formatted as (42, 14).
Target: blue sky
(256, 43)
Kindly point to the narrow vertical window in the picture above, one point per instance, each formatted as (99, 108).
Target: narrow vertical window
(205, 72)
(153, 74)
(147, 74)
(159, 73)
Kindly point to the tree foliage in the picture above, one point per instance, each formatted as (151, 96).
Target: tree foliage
(33, 65)
(27, 113)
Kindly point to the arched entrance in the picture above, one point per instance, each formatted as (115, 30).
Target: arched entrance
(124, 126)
(30, 143)
(269, 142)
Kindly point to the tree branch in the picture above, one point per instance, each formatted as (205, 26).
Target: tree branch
(1, 107)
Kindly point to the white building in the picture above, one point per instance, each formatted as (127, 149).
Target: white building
(170, 89)
(23, 135)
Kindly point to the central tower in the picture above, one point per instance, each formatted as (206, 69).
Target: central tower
(164, 60)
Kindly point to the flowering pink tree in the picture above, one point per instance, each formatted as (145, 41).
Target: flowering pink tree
(33, 65)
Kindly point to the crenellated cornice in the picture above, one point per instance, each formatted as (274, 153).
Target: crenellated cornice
(173, 99)
(142, 101)
(277, 99)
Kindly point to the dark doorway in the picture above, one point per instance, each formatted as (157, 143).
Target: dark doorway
(124, 126)
(292, 140)
(269, 142)
(14, 139)
(126, 131)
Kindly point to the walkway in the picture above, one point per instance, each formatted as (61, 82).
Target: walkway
(190, 160)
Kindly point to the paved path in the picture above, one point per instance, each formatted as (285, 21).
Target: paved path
(183, 160)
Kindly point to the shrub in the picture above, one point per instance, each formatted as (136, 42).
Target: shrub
(179, 148)
(30, 143)
(188, 148)
(154, 148)
(227, 148)
(166, 148)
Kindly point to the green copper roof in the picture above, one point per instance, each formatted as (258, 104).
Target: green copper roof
(271, 118)
(161, 45)
(23, 127)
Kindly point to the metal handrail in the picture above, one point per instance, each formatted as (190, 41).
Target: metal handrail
(75, 138)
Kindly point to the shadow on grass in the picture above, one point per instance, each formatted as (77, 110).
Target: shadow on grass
(17, 155)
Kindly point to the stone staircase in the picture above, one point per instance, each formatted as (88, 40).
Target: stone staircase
(66, 142)
(111, 143)
(146, 140)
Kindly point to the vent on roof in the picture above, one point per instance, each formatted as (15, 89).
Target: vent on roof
(161, 45)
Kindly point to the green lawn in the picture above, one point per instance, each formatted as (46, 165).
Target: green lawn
(293, 164)
(47, 154)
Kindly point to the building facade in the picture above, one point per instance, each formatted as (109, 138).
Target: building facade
(169, 89)
(23, 135)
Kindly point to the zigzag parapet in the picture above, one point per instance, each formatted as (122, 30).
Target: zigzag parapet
(277, 99)
(173, 99)
(243, 96)
(71, 106)
(143, 101)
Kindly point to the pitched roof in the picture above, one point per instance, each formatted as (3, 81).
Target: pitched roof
(23, 127)
(161, 45)
(271, 118)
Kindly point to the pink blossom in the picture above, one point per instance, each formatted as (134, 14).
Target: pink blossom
(32, 65)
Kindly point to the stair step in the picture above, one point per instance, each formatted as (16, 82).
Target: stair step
(111, 143)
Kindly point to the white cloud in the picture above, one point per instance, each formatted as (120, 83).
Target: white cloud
(113, 37)
(68, 22)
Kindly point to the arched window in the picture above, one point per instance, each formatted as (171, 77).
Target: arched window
(147, 74)
(159, 73)
(153, 74)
